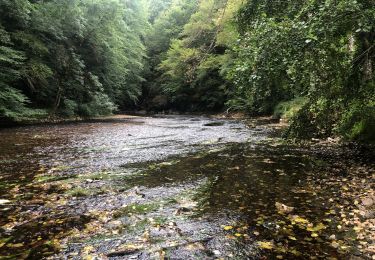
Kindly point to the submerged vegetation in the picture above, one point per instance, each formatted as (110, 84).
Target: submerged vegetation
(311, 62)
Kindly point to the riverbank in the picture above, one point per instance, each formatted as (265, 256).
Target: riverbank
(60, 120)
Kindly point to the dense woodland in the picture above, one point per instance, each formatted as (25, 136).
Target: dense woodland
(310, 62)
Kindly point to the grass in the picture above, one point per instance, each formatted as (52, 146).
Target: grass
(52, 178)
(79, 192)
(136, 209)
(287, 110)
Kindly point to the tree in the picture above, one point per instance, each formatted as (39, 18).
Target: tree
(194, 64)
(315, 49)
(74, 57)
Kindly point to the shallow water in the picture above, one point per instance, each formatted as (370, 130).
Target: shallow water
(178, 187)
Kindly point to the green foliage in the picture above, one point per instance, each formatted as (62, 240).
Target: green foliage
(321, 50)
(194, 64)
(73, 58)
(166, 27)
(358, 121)
(288, 109)
(12, 101)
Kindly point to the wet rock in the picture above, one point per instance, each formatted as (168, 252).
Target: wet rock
(195, 246)
(368, 214)
(114, 224)
(2, 202)
(214, 124)
(182, 210)
(124, 252)
(283, 208)
(216, 252)
(368, 202)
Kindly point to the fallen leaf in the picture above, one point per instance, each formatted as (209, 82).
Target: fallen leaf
(265, 245)
(317, 228)
(15, 245)
(228, 228)
(195, 246)
(299, 219)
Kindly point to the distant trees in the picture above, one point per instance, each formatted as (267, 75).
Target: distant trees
(194, 65)
(311, 60)
(166, 27)
(70, 58)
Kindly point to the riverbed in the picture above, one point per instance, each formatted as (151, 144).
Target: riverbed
(181, 187)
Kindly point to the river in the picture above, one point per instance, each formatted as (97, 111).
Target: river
(181, 187)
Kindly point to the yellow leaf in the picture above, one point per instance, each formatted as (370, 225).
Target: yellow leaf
(292, 238)
(298, 219)
(238, 235)
(15, 245)
(228, 227)
(295, 252)
(318, 227)
(88, 249)
(314, 235)
(357, 229)
(266, 245)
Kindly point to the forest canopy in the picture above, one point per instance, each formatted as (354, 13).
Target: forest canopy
(309, 62)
